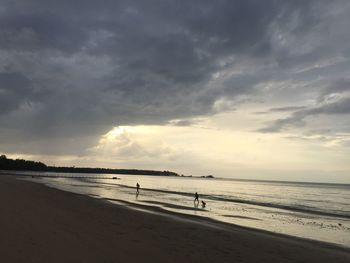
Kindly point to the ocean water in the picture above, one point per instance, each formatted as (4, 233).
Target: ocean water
(308, 210)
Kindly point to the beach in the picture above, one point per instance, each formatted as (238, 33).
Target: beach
(42, 224)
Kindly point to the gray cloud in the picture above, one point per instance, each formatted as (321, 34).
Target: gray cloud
(339, 86)
(13, 88)
(282, 109)
(297, 119)
(76, 69)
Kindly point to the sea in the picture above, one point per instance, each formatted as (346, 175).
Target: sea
(317, 211)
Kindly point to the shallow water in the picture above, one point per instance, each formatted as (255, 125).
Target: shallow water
(309, 210)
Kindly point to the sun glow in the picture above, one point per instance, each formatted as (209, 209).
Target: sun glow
(137, 130)
(190, 150)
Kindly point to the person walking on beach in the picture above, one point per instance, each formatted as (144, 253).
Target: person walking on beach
(137, 188)
(196, 198)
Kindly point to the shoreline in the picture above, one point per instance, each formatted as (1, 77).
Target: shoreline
(333, 230)
(119, 233)
(239, 201)
(211, 222)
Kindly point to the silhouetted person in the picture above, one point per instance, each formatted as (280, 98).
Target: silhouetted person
(137, 188)
(196, 198)
(203, 204)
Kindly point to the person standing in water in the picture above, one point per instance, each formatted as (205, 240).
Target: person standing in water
(196, 198)
(137, 188)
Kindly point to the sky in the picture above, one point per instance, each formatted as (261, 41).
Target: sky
(237, 88)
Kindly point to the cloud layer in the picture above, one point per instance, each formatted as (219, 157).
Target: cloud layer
(71, 71)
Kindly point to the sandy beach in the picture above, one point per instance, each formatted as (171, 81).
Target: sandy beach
(41, 224)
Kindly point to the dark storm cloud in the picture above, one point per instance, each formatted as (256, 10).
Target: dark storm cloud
(14, 87)
(39, 31)
(74, 69)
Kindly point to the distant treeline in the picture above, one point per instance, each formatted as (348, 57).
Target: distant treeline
(24, 165)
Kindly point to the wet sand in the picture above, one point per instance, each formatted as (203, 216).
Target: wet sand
(40, 224)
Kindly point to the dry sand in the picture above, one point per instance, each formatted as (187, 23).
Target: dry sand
(40, 224)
